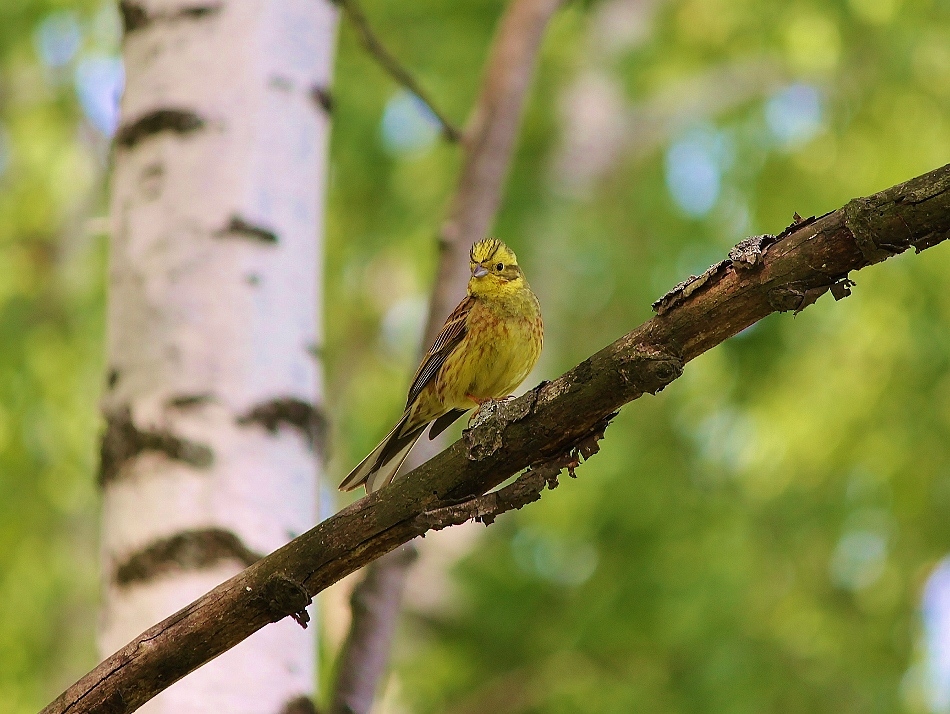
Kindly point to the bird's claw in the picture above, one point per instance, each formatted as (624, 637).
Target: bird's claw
(485, 410)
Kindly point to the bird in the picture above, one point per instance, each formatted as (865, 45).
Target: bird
(485, 349)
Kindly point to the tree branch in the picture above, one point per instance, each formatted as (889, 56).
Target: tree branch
(375, 606)
(392, 67)
(497, 116)
(762, 275)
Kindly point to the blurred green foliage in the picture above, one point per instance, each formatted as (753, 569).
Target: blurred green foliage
(51, 331)
(756, 538)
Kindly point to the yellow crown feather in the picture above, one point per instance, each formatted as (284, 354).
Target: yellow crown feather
(491, 249)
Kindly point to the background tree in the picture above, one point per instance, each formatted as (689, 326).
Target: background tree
(759, 537)
(213, 421)
(213, 428)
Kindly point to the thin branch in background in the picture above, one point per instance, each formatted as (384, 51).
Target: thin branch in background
(365, 653)
(496, 119)
(490, 137)
(767, 274)
(393, 68)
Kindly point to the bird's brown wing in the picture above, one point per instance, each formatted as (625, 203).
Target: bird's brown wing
(453, 332)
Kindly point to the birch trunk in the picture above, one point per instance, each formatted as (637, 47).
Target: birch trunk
(213, 439)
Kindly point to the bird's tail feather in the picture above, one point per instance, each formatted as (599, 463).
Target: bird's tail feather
(382, 463)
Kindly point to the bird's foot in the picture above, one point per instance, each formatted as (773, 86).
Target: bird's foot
(486, 408)
(478, 416)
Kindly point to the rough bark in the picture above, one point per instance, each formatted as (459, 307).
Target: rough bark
(488, 144)
(211, 449)
(550, 427)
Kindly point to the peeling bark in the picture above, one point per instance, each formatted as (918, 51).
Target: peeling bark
(554, 421)
(323, 98)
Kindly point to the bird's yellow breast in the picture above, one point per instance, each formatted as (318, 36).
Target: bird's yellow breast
(501, 346)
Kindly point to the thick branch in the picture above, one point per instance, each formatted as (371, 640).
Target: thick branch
(494, 128)
(392, 67)
(764, 275)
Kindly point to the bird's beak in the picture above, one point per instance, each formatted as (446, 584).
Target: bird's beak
(479, 272)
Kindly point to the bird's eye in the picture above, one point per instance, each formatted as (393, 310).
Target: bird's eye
(499, 267)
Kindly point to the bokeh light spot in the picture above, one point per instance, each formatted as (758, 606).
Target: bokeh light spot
(858, 560)
(794, 114)
(58, 38)
(694, 166)
(99, 82)
(408, 125)
(936, 613)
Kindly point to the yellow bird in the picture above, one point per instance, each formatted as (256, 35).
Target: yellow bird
(485, 350)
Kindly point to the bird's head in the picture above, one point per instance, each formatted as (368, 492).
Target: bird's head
(495, 270)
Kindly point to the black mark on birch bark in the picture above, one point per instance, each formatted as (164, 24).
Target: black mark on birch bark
(296, 413)
(124, 441)
(176, 121)
(197, 11)
(242, 228)
(299, 705)
(322, 97)
(189, 550)
(284, 84)
(135, 16)
(189, 401)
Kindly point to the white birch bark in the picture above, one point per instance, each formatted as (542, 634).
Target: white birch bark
(212, 447)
